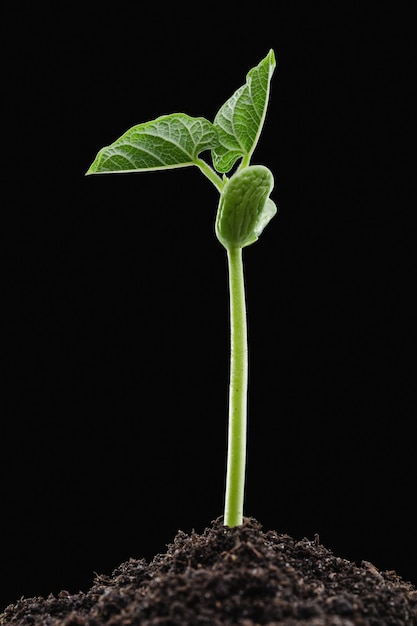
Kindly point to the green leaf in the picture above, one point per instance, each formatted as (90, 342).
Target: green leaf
(245, 207)
(239, 121)
(169, 141)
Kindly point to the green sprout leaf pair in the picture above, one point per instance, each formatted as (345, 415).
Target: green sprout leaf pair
(177, 140)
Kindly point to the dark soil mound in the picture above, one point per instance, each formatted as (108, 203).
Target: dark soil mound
(231, 576)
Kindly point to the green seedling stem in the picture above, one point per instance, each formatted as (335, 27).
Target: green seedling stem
(236, 451)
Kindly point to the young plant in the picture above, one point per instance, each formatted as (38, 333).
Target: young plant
(244, 209)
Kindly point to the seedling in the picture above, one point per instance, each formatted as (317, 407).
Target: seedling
(245, 208)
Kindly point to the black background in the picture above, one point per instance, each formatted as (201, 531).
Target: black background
(116, 337)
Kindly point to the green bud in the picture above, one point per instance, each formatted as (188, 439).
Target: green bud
(245, 207)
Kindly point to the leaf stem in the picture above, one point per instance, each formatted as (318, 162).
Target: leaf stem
(210, 173)
(236, 452)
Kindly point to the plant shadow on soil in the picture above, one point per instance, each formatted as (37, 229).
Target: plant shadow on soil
(240, 576)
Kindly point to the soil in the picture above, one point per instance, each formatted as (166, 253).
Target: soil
(238, 576)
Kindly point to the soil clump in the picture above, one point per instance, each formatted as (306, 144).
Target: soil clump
(238, 576)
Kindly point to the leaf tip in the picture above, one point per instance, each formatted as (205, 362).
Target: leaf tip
(95, 165)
